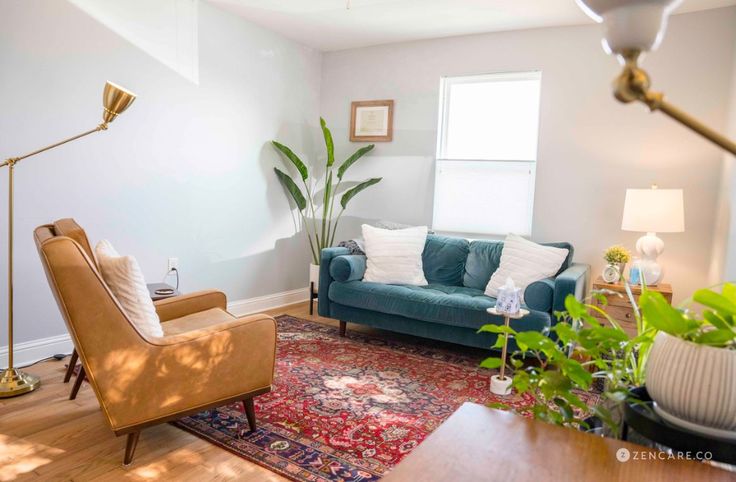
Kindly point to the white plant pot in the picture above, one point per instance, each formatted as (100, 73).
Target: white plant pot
(314, 275)
(501, 386)
(693, 386)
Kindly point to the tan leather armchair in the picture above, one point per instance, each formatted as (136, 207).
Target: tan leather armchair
(206, 358)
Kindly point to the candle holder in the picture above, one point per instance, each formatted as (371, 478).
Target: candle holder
(501, 384)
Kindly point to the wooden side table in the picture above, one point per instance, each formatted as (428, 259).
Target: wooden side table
(619, 307)
(478, 443)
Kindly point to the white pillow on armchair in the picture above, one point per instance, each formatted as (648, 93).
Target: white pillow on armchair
(525, 262)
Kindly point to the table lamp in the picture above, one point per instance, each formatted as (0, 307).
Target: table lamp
(115, 100)
(653, 211)
(631, 27)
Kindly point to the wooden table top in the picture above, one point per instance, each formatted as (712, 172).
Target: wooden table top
(483, 444)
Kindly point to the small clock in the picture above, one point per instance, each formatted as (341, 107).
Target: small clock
(611, 274)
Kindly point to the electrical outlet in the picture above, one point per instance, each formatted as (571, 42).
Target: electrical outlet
(173, 263)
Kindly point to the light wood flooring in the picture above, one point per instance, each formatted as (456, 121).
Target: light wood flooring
(46, 436)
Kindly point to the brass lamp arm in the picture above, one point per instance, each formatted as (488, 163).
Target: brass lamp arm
(14, 160)
(633, 85)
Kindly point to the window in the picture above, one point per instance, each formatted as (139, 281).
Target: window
(487, 153)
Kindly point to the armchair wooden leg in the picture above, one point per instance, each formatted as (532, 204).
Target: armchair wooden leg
(250, 413)
(77, 383)
(343, 327)
(130, 446)
(72, 365)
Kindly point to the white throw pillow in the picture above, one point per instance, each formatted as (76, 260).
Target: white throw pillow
(394, 256)
(125, 279)
(525, 262)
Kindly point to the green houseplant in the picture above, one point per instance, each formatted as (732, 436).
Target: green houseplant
(586, 350)
(318, 211)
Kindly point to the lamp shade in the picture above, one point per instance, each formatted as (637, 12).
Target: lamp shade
(115, 100)
(630, 24)
(654, 211)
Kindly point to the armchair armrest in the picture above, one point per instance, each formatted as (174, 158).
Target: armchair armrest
(178, 306)
(348, 267)
(325, 278)
(571, 281)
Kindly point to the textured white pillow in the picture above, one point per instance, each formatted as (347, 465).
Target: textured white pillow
(125, 279)
(525, 262)
(394, 256)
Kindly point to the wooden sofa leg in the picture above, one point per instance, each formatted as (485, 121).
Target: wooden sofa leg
(250, 413)
(77, 383)
(72, 365)
(130, 444)
(343, 327)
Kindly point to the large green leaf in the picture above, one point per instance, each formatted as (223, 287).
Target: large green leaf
(300, 166)
(716, 337)
(351, 160)
(662, 316)
(328, 142)
(491, 362)
(718, 302)
(352, 192)
(292, 188)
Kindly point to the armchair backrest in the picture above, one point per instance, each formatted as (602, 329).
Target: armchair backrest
(103, 335)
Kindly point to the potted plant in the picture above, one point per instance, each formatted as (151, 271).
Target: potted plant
(616, 256)
(557, 373)
(318, 211)
(691, 371)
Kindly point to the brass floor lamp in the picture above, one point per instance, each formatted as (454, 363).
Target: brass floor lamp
(13, 381)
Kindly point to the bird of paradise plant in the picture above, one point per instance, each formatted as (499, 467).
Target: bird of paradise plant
(321, 233)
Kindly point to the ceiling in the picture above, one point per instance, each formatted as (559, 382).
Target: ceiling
(330, 25)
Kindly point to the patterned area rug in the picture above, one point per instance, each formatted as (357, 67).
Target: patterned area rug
(348, 408)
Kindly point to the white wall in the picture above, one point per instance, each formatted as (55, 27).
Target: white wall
(185, 172)
(591, 148)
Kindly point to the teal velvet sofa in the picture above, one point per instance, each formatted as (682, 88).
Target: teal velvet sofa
(453, 305)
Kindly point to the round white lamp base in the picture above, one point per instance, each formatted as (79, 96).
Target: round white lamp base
(501, 387)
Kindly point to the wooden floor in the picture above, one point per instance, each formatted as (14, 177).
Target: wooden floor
(45, 436)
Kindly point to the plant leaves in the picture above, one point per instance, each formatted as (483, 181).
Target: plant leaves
(718, 302)
(716, 320)
(351, 160)
(491, 328)
(729, 291)
(716, 337)
(328, 142)
(662, 316)
(491, 362)
(292, 188)
(351, 193)
(300, 166)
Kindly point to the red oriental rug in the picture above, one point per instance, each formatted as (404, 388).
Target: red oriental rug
(348, 408)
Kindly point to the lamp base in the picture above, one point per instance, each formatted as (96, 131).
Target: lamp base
(650, 247)
(14, 382)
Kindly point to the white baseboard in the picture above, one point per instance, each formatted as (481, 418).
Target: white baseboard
(34, 350)
(267, 302)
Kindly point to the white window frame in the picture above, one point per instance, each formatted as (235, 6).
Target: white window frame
(446, 84)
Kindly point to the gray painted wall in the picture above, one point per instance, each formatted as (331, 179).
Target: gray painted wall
(185, 173)
(591, 148)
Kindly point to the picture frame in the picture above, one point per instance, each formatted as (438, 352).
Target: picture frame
(371, 121)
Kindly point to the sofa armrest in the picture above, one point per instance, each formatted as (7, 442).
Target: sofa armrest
(349, 267)
(539, 296)
(325, 278)
(572, 281)
(178, 306)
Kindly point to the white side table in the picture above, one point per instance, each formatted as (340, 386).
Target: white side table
(501, 384)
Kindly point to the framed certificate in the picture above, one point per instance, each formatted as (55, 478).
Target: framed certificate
(371, 121)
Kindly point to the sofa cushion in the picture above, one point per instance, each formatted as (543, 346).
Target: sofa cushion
(540, 295)
(449, 305)
(444, 258)
(484, 258)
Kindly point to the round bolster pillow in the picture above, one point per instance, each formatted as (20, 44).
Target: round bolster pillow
(349, 267)
(539, 295)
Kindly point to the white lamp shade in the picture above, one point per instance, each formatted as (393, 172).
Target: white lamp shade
(654, 211)
(630, 24)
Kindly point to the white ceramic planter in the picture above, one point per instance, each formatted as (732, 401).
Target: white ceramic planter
(693, 385)
(314, 275)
